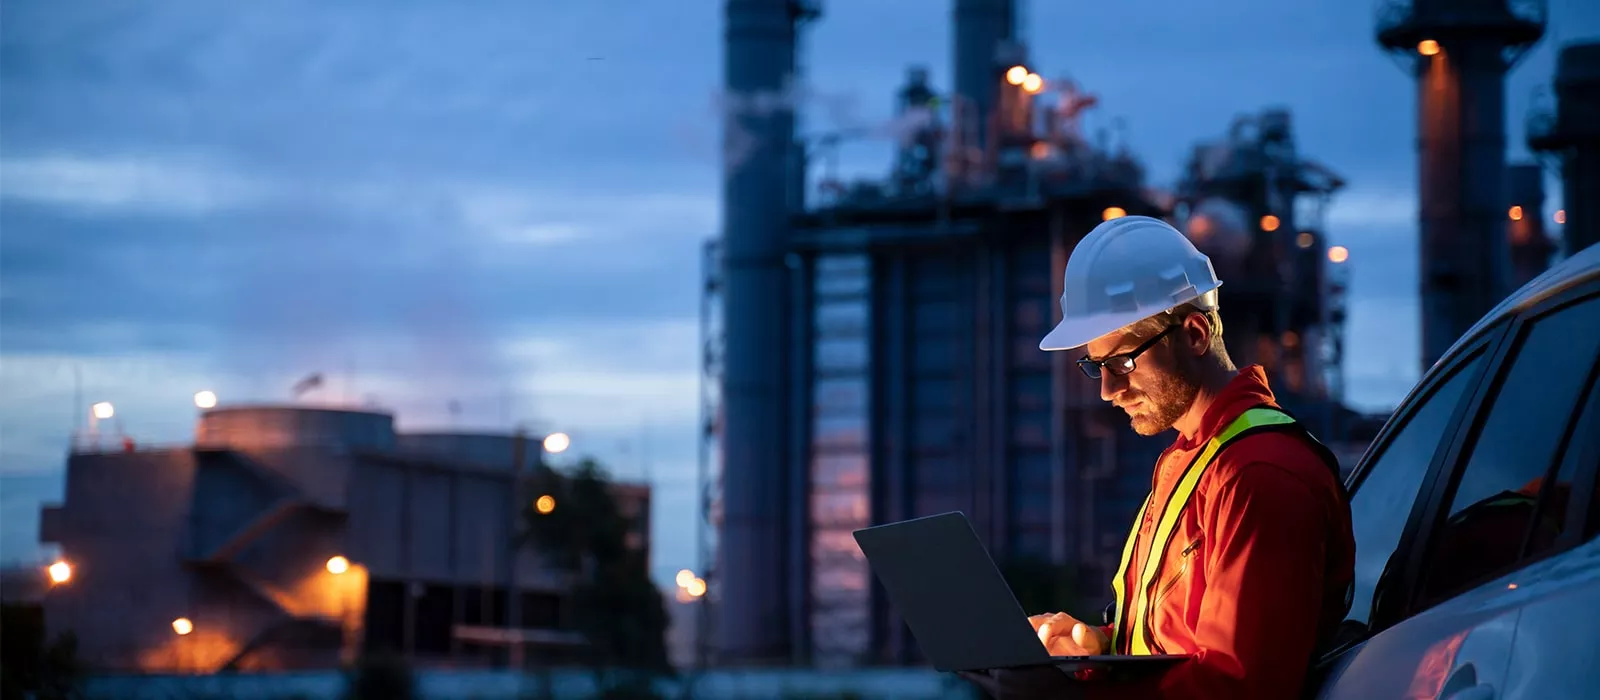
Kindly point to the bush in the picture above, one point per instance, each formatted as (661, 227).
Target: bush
(31, 668)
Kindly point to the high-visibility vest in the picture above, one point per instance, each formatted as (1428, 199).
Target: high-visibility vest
(1132, 629)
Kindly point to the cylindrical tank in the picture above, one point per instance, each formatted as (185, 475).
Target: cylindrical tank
(478, 449)
(753, 577)
(284, 427)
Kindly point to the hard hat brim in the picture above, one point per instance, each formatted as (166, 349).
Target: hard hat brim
(1078, 332)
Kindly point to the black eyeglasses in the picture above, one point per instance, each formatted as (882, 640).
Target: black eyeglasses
(1123, 364)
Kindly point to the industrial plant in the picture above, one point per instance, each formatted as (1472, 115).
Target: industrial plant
(292, 537)
(871, 348)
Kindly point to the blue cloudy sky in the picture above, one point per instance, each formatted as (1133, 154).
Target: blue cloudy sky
(501, 203)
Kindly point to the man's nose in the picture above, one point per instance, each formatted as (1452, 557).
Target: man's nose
(1111, 384)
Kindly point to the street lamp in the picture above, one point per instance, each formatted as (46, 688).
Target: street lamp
(556, 443)
(546, 504)
(104, 410)
(205, 399)
(338, 565)
(182, 626)
(60, 572)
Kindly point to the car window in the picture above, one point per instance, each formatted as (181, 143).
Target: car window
(1496, 506)
(1382, 501)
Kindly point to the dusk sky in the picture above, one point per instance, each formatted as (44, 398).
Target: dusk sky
(502, 203)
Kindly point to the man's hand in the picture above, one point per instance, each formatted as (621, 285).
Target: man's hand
(1064, 635)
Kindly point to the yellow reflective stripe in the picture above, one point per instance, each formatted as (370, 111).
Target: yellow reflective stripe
(1122, 571)
(1140, 612)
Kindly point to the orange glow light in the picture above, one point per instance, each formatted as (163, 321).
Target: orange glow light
(1033, 83)
(1561, 216)
(1269, 223)
(696, 587)
(545, 505)
(182, 626)
(1016, 75)
(1338, 254)
(1428, 47)
(338, 565)
(1516, 213)
(1113, 213)
(60, 572)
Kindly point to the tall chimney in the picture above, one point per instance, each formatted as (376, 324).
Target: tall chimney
(1461, 50)
(983, 29)
(1530, 246)
(753, 552)
(1573, 134)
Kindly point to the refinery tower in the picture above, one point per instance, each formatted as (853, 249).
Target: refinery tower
(872, 347)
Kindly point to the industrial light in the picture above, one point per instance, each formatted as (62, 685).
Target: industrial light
(696, 587)
(546, 504)
(1516, 212)
(556, 443)
(1338, 254)
(104, 410)
(182, 626)
(1561, 216)
(60, 572)
(1428, 47)
(1033, 83)
(1305, 239)
(338, 565)
(1269, 223)
(1113, 213)
(1017, 74)
(685, 576)
(205, 399)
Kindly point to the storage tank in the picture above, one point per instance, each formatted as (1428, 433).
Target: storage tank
(488, 450)
(285, 427)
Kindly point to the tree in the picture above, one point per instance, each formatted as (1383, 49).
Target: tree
(615, 605)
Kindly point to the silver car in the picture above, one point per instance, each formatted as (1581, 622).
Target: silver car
(1475, 514)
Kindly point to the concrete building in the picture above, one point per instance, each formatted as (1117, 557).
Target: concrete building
(294, 537)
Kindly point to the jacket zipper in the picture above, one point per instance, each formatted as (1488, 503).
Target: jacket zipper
(1173, 580)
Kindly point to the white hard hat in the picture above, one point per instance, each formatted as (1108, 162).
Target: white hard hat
(1128, 269)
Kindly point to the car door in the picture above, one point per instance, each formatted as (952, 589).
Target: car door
(1497, 506)
(1502, 506)
(1389, 491)
(1557, 652)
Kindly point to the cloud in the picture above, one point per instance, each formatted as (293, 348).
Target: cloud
(128, 185)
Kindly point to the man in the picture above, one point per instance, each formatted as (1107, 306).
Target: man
(1242, 556)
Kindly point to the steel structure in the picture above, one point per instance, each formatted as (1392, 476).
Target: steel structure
(1460, 51)
(1571, 134)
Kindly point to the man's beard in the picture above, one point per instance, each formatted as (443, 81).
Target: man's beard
(1163, 403)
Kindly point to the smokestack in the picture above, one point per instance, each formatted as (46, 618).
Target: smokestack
(1530, 247)
(1573, 134)
(753, 553)
(983, 30)
(1461, 50)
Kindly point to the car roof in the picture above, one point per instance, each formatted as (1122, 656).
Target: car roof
(1578, 268)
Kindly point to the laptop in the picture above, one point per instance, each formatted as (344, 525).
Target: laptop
(959, 608)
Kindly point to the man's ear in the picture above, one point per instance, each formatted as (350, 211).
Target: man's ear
(1197, 333)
